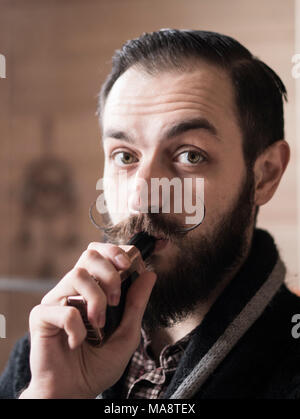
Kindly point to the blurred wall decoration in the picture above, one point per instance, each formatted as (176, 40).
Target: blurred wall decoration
(58, 53)
(48, 204)
(47, 196)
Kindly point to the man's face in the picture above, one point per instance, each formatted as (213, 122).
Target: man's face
(180, 125)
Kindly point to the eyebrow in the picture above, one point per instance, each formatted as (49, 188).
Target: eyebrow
(177, 129)
(189, 125)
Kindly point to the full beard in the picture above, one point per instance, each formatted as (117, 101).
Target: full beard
(200, 263)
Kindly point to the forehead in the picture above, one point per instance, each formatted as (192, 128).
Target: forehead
(138, 100)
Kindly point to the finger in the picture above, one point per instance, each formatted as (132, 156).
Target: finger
(116, 254)
(104, 271)
(49, 320)
(79, 282)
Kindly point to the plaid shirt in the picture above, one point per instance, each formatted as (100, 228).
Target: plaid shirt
(147, 380)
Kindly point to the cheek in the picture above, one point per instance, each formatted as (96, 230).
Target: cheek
(221, 193)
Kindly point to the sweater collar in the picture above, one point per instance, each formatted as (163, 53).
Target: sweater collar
(254, 272)
(261, 260)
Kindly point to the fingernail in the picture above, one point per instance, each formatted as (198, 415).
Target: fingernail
(114, 299)
(122, 261)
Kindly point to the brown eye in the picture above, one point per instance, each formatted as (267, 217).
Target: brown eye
(190, 157)
(124, 158)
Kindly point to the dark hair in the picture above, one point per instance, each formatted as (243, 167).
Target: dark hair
(259, 92)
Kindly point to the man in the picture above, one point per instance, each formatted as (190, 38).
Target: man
(210, 316)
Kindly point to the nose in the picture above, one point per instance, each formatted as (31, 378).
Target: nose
(142, 198)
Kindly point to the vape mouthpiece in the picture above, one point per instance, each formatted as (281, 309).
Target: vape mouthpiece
(144, 242)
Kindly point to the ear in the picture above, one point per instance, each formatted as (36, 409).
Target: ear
(268, 170)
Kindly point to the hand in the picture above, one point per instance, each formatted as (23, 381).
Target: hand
(63, 364)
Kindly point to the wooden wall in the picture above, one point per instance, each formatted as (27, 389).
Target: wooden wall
(58, 53)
